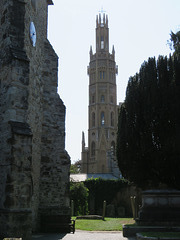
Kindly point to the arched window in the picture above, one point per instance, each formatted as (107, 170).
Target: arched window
(113, 147)
(102, 98)
(102, 119)
(112, 119)
(93, 119)
(97, 43)
(100, 74)
(93, 99)
(93, 146)
(104, 74)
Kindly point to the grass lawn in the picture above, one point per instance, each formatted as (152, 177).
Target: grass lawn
(109, 224)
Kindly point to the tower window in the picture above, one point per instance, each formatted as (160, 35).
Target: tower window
(102, 98)
(112, 100)
(93, 149)
(93, 99)
(112, 119)
(97, 42)
(102, 42)
(102, 74)
(102, 119)
(93, 119)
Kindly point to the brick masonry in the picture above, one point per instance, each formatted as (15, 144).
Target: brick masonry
(34, 166)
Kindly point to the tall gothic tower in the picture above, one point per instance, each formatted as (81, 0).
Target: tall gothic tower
(99, 157)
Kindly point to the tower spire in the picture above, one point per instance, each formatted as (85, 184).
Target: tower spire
(102, 32)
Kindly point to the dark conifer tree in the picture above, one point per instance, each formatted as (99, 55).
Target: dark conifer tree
(148, 141)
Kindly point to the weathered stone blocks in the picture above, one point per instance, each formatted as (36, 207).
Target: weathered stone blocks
(34, 166)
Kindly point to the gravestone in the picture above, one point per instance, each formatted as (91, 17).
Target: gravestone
(110, 210)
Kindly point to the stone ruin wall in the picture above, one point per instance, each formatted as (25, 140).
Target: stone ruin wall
(54, 158)
(34, 166)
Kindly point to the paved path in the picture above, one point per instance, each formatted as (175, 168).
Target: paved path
(82, 235)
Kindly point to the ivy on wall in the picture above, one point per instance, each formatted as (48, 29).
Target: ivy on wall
(101, 189)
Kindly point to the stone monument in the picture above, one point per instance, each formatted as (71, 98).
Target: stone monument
(160, 212)
(160, 208)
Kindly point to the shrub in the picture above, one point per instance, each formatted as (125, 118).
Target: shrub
(79, 194)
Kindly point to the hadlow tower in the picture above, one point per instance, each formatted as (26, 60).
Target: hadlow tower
(99, 156)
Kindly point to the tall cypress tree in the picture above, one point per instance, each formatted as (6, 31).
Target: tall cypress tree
(148, 137)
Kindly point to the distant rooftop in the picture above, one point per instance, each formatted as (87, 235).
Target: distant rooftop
(81, 177)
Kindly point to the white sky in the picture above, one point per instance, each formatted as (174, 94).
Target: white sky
(138, 29)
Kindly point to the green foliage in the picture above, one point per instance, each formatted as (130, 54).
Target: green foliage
(148, 138)
(79, 194)
(175, 42)
(76, 167)
(102, 189)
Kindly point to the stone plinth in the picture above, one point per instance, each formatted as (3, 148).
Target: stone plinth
(132, 230)
(15, 224)
(55, 220)
(160, 208)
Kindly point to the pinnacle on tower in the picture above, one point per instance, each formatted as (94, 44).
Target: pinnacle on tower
(113, 51)
(102, 20)
(96, 21)
(107, 20)
(83, 141)
(91, 52)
